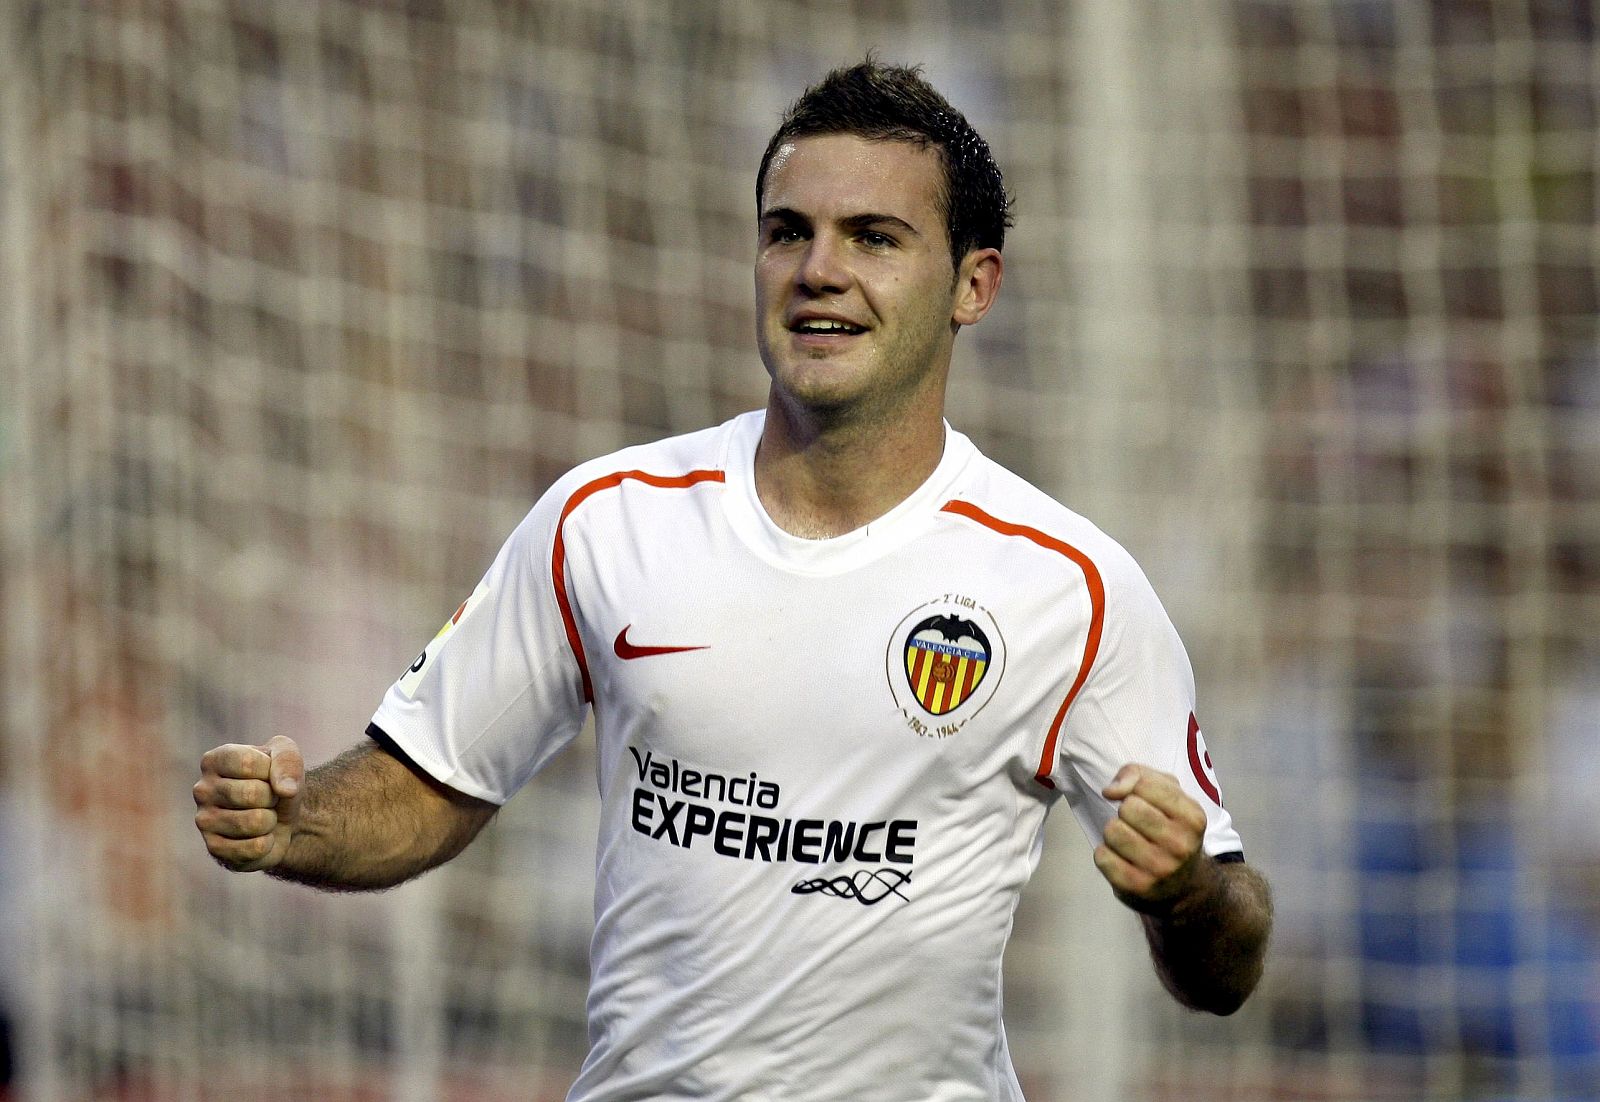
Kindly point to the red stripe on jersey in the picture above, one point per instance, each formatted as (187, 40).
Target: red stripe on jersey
(1097, 614)
(558, 564)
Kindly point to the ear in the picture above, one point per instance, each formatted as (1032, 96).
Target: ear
(977, 285)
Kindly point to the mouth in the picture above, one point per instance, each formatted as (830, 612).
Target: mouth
(820, 331)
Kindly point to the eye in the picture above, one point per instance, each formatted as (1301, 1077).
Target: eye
(872, 239)
(784, 235)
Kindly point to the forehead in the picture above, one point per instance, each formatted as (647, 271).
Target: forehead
(839, 175)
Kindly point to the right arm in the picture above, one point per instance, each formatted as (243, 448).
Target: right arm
(364, 821)
(495, 693)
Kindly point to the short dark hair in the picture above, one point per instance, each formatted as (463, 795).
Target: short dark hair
(894, 103)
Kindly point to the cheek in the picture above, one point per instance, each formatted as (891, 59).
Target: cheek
(771, 277)
(926, 300)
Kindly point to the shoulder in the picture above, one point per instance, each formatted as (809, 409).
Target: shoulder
(1128, 627)
(686, 460)
(1009, 505)
(704, 450)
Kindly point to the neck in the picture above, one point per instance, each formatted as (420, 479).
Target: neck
(818, 479)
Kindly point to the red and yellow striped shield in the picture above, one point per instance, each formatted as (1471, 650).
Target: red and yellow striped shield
(945, 660)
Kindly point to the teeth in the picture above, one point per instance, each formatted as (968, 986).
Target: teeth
(823, 325)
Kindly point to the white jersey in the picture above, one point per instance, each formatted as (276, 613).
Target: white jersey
(824, 765)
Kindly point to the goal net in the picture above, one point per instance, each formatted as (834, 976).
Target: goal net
(304, 304)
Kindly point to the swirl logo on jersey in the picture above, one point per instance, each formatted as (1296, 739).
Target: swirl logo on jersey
(944, 662)
(866, 886)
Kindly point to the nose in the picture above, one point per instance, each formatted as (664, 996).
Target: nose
(823, 268)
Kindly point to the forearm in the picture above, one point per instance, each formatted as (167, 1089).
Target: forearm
(368, 821)
(1210, 949)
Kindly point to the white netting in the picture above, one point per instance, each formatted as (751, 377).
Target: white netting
(303, 304)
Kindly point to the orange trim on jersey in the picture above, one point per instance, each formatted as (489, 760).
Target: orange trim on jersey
(1097, 614)
(558, 563)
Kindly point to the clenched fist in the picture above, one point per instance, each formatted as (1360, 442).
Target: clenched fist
(1151, 854)
(246, 799)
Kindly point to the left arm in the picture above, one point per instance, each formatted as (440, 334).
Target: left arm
(1207, 921)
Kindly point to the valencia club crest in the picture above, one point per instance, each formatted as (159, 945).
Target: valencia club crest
(944, 661)
(946, 658)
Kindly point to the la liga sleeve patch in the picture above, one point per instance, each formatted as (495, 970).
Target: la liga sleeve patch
(412, 678)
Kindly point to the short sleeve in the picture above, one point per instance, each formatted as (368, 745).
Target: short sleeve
(498, 691)
(1137, 705)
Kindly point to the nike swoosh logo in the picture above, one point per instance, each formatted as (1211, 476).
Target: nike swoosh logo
(626, 650)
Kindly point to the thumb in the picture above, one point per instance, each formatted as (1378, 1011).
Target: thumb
(286, 773)
(1123, 784)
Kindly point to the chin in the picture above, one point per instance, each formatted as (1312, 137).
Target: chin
(820, 379)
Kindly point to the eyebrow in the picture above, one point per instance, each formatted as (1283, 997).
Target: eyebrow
(790, 216)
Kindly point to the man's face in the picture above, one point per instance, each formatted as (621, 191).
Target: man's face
(854, 288)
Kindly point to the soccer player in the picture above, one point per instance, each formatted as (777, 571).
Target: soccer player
(841, 667)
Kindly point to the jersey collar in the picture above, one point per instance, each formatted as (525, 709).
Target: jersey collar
(749, 519)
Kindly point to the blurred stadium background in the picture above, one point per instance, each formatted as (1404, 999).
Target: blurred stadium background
(302, 304)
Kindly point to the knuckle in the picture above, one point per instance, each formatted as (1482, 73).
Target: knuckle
(237, 854)
(244, 794)
(1127, 830)
(1107, 861)
(231, 861)
(254, 824)
(219, 756)
(1126, 881)
(1179, 848)
(243, 854)
(237, 825)
(242, 762)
